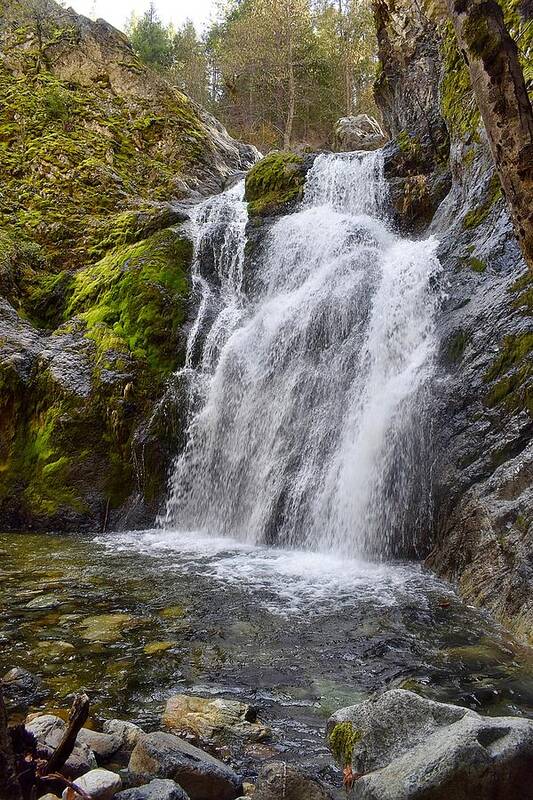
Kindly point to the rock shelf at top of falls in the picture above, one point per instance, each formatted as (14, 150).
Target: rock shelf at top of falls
(308, 381)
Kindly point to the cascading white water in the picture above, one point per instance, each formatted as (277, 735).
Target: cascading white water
(308, 394)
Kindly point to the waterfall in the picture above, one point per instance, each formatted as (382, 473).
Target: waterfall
(309, 390)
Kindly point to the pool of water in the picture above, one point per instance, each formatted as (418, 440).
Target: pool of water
(133, 618)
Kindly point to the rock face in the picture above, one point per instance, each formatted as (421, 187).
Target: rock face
(405, 746)
(358, 133)
(212, 720)
(203, 777)
(94, 282)
(443, 182)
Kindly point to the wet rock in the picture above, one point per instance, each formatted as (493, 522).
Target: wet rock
(103, 745)
(203, 777)
(20, 687)
(153, 648)
(281, 781)
(157, 789)
(106, 627)
(126, 732)
(44, 601)
(408, 747)
(359, 132)
(99, 784)
(210, 719)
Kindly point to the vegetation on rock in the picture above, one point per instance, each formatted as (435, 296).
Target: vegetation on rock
(274, 181)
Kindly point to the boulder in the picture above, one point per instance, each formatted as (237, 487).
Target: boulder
(99, 784)
(103, 745)
(408, 747)
(281, 781)
(212, 719)
(158, 789)
(126, 732)
(48, 731)
(203, 777)
(20, 687)
(359, 132)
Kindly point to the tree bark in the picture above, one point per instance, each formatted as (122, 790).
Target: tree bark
(287, 135)
(9, 785)
(501, 95)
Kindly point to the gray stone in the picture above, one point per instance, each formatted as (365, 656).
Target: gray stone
(203, 777)
(407, 747)
(127, 732)
(99, 784)
(158, 789)
(20, 687)
(103, 745)
(281, 781)
(359, 132)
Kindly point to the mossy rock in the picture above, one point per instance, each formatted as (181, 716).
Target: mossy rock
(135, 299)
(342, 740)
(273, 183)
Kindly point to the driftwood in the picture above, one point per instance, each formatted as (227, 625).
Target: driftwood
(77, 717)
(9, 784)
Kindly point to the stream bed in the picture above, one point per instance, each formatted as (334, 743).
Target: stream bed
(133, 618)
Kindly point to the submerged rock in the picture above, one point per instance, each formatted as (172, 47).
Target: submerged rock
(211, 719)
(406, 747)
(203, 777)
(281, 781)
(158, 789)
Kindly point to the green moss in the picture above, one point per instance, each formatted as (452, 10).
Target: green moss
(135, 298)
(342, 741)
(408, 144)
(456, 345)
(475, 264)
(458, 105)
(476, 216)
(273, 182)
(512, 371)
(524, 287)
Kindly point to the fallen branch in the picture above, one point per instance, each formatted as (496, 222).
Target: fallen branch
(77, 717)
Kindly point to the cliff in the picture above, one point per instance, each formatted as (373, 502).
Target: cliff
(483, 531)
(95, 150)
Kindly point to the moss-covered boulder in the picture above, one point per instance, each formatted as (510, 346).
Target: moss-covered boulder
(72, 400)
(274, 183)
(96, 151)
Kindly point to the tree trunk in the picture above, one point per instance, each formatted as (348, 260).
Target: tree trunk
(287, 134)
(502, 99)
(9, 785)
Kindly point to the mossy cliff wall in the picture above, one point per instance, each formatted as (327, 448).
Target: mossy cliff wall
(483, 534)
(95, 150)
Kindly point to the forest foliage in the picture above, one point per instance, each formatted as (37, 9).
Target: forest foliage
(275, 72)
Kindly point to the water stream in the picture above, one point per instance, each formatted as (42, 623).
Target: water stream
(307, 390)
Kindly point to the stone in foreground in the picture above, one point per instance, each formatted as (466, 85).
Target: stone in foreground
(409, 747)
(99, 784)
(203, 777)
(158, 789)
(280, 781)
(209, 719)
(126, 732)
